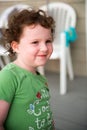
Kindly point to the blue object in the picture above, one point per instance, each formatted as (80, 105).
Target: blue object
(71, 36)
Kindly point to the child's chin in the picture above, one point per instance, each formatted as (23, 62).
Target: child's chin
(42, 64)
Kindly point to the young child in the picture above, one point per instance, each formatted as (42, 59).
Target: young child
(24, 93)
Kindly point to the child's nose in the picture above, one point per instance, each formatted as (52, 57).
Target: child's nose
(43, 47)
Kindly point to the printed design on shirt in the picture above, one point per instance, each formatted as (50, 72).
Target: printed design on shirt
(38, 95)
(37, 109)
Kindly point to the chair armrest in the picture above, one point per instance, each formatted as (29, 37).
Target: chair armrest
(3, 51)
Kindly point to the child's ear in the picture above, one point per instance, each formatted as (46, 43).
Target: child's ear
(14, 46)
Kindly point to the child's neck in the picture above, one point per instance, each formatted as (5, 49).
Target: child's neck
(24, 66)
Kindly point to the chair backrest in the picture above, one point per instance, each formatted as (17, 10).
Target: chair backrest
(63, 14)
(10, 11)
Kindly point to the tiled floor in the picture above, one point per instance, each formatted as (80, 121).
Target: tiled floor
(70, 110)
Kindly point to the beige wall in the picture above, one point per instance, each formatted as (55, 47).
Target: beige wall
(78, 49)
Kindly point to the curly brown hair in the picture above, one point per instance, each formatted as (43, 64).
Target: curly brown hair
(26, 17)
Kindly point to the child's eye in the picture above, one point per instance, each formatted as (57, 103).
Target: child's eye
(35, 42)
(48, 41)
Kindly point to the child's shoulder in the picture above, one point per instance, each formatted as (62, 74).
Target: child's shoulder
(11, 70)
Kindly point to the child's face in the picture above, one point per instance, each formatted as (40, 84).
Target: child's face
(35, 46)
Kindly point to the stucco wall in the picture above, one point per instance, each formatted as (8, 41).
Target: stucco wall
(78, 49)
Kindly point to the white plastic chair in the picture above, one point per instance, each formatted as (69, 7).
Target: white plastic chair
(4, 55)
(65, 17)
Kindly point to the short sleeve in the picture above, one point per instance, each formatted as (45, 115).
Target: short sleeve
(7, 85)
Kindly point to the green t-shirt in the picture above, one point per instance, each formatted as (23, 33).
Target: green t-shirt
(29, 97)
